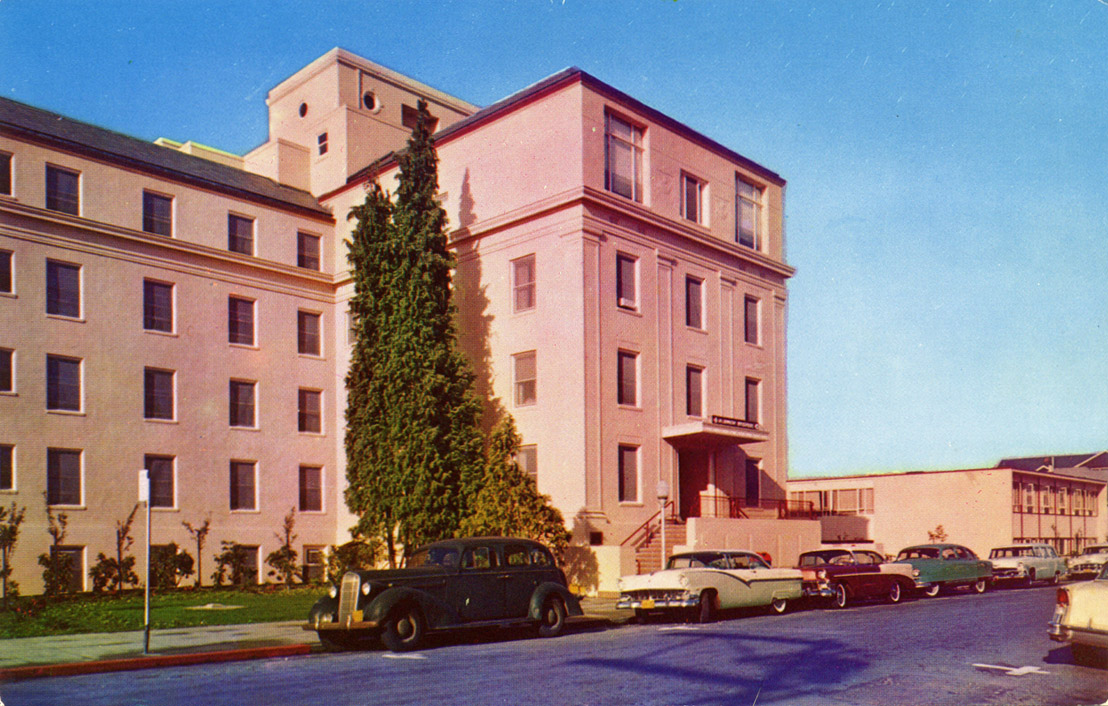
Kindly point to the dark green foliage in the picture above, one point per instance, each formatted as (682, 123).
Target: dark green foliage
(283, 559)
(508, 503)
(110, 571)
(10, 520)
(57, 567)
(234, 564)
(352, 555)
(413, 444)
(169, 565)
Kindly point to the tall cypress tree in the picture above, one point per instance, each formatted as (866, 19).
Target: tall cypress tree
(413, 445)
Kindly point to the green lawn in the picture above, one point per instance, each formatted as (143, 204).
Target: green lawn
(35, 616)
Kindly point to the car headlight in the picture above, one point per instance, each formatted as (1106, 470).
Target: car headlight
(333, 592)
(366, 588)
(915, 573)
(821, 575)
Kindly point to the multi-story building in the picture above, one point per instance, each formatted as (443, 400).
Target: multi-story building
(621, 283)
(1020, 500)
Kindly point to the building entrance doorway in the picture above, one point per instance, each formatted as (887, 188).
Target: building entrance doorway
(693, 467)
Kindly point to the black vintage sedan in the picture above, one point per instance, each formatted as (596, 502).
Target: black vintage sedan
(450, 584)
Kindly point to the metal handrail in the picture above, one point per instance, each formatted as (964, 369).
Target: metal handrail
(644, 527)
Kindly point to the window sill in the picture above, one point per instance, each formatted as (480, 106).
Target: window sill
(63, 317)
(165, 509)
(311, 512)
(243, 346)
(8, 393)
(68, 508)
(246, 511)
(156, 332)
(631, 311)
(631, 503)
(316, 434)
(311, 356)
(9, 295)
(236, 428)
(159, 420)
(630, 407)
(67, 412)
(696, 329)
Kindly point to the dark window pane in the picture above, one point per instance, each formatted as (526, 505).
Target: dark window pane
(158, 397)
(157, 306)
(242, 485)
(5, 271)
(628, 474)
(242, 404)
(240, 234)
(7, 380)
(309, 411)
(7, 467)
(694, 389)
(307, 333)
(627, 378)
(63, 384)
(5, 174)
(625, 281)
(311, 489)
(157, 214)
(63, 477)
(307, 251)
(161, 480)
(240, 321)
(694, 315)
(62, 191)
(751, 400)
(751, 320)
(63, 289)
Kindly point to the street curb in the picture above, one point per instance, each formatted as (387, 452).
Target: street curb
(150, 662)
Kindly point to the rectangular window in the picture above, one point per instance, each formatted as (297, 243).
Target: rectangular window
(523, 284)
(7, 467)
(63, 383)
(160, 472)
(750, 320)
(63, 190)
(63, 289)
(622, 158)
(692, 205)
(525, 375)
(627, 378)
(626, 281)
(157, 306)
(628, 474)
(694, 391)
(7, 280)
(157, 214)
(1063, 501)
(69, 561)
(307, 333)
(309, 416)
(322, 142)
(748, 214)
(694, 303)
(5, 173)
(158, 395)
(311, 489)
(752, 394)
(866, 500)
(315, 563)
(242, 403)
(528, 459)
(7, 370)
(240, 234)
(63, 477)
(243, 495)
(307, 251)
(240, 321)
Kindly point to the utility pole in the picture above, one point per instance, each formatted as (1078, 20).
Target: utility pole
(144, 496)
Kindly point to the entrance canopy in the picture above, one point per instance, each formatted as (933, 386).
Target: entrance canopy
(716, 431)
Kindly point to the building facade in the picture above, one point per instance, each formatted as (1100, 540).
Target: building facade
(979, 508)
(621, 285)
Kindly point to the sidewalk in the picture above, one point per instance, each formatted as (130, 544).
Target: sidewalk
(31, 657)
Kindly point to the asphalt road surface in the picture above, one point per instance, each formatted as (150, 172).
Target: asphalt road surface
(956, 649)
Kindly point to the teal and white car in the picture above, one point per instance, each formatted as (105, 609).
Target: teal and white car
(1026, 563)
(939, 566)
(705, 582)
(1089, 562)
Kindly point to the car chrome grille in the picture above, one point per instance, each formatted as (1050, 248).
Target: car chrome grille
(655, 595)
(348, 597)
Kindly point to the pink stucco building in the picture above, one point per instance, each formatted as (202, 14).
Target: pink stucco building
(621, 284)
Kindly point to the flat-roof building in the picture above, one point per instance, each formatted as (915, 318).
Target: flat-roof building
(621, 285)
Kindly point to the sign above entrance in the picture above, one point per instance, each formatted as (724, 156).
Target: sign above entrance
(732, 422)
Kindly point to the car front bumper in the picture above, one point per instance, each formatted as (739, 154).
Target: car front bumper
(817, 591)
(661, 602)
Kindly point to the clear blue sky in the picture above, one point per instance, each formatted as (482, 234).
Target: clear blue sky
(947, 165)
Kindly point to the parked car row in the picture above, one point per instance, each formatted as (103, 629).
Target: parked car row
(487, 581)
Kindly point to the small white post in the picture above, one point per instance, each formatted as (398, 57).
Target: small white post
(144, 496)
(663, 497)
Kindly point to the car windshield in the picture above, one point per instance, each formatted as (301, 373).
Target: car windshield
(698, 561)
(1095, 549)
(1004, 552)
(433, 556)
(918, 553)
(825, 558)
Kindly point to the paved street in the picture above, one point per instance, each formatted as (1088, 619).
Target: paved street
(921, 652)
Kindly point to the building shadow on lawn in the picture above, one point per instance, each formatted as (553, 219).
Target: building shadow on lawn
(763, 669)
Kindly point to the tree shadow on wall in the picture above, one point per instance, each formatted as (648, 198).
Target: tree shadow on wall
(581, 566)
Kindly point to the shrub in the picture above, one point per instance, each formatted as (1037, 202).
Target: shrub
(108, 570)
(234, 564)
(169, 565)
